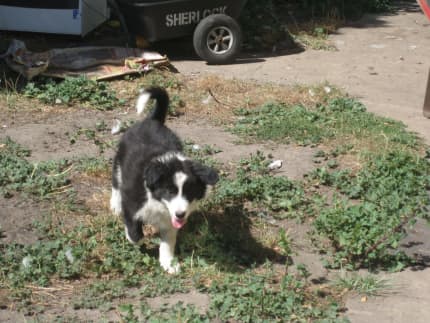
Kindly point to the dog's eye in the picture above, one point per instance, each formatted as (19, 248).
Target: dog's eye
(173, 190)
(194, 190)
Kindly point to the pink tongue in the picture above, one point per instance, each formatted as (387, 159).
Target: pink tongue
(178, 223)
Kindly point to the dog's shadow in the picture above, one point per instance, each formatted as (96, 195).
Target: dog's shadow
(225, 238)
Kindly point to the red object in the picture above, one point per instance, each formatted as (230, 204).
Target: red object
(426, 107)
(425, 6)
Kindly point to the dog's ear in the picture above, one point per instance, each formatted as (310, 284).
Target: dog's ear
(206, 174)
(153, 173)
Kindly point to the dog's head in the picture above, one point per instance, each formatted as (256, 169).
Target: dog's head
(178, 183)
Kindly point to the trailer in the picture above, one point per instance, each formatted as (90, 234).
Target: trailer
(217, 36)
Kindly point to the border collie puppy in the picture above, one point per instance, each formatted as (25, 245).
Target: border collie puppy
(153, 182)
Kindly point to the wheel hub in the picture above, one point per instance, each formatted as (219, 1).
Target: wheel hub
(220, 40)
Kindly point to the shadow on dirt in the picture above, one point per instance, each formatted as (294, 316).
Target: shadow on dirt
(226, 238)
(182, 49)
(416, 245)
(377, 20)
(405, 6)
(421, 262)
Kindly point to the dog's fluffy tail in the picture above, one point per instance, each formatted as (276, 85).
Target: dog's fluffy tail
(161, 103)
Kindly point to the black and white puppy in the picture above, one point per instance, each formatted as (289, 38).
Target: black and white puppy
(153, 182)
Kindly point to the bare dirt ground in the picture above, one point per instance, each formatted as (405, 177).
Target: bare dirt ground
(383, 60)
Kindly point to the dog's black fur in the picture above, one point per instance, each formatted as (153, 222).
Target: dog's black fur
(153, 182)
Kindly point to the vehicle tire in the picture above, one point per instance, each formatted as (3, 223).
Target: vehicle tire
(217, 39)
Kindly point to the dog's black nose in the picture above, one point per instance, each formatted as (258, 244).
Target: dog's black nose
(180, 215)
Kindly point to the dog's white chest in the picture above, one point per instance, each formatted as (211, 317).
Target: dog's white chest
(155, 213)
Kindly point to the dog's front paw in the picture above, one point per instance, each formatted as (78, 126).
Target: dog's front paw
(116, 210)
(170, 266)
(116, 202)
(136, 239)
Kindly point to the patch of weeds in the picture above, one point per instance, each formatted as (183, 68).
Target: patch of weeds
(247, 297)
(118, 256)
(9, 88)
(164, 80)
(157, 284)
(339, 119)
(368, 285)
(303, 271)
(175, 104)
(274, 121)
(261, 297)
(100, 294)
(341, 150)
(17, 174)
(353, 9)
(254, 183)
(176, 313)
(38, 262)
(112, 254)
(128, 314)
(266, 23)
(263, 26)
(94, 249)
(95, 135)
(389, 192)
(285, 243)
(201, 153)
(317, 39)
(74, 90)
(332, 163)
(349, 117)
(92, 166)
(323, 176)
(378, 5)
(319, 156)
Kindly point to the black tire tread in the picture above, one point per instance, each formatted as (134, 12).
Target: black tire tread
(200, 35)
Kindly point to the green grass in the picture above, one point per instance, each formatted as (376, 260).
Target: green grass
(254, 183)
(73, 90)
(263, 298)
(247, 297)
(266, 24)
(230, 252)
(100, 250)
(94, 166)
(317, 39)
(17, 174)
(176, 313)
(372, 205)
(219, 255)
(165, 80)
(97, 135)
(367, 285)
(9, 91)
(366, 223)
(341, 119)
